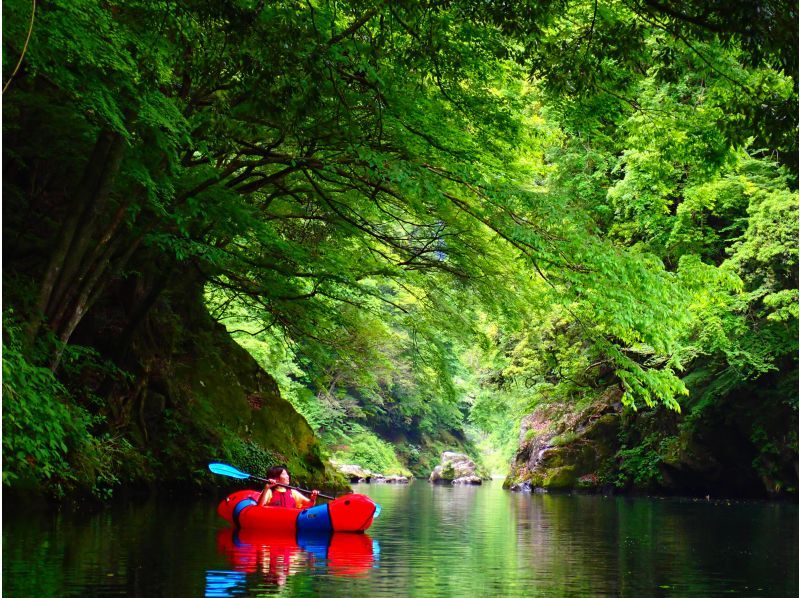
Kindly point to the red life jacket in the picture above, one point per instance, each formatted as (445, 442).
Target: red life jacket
(282, 499)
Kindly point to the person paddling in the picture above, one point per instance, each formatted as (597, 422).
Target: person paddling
(274, 495)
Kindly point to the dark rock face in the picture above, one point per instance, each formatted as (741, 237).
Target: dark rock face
(200, 397)
(566, 451)
(742, 445)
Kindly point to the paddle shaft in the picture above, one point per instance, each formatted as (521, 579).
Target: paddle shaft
(232, 472)
(255, 477)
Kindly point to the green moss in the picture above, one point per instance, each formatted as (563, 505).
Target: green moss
(536, 480)
(225, 407)
(561, 478)
(552, 458)
(573, 457)
(448, 471)
(563, 439)
(194, 397)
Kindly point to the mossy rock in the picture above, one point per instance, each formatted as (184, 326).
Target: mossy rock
(561, 478)
(208, 400)
(554, 458)
(604, 430)
(571, 459)
(536, 480)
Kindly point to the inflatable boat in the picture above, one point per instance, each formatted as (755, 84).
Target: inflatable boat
(348, 513)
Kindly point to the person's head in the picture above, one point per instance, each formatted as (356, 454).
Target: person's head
(279, 473)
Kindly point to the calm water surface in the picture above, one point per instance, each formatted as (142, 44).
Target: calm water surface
(428, 541)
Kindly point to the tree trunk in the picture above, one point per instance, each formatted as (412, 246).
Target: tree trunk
(94, 260)
(81, 197)
(140, 311)
(92, 288)
(83, 237)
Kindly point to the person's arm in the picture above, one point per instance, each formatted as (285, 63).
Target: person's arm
(303, 502)
(266, 493)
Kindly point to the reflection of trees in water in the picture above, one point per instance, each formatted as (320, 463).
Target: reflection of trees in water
(709, 546)
(435, 541)
(454, 504)
(121, 548)
(588, 544)
(632, 546)
(468, 536)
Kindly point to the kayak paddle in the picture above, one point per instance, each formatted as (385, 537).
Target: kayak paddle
(232, 472)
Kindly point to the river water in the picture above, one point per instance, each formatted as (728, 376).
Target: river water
(428, 541)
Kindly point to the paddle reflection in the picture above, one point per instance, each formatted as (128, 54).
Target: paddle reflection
(276, 557)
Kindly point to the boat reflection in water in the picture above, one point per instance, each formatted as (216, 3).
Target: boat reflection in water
(275, 557)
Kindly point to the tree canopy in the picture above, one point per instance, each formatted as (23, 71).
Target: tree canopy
(579, 188)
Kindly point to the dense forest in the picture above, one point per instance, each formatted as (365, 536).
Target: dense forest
(559, 236)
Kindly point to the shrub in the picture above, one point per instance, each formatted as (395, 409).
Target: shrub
(40, 426)
(640, 465)
(362, 447)
(563, 439)
(249, 456)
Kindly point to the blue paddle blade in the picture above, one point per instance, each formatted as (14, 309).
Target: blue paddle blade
(227, 470)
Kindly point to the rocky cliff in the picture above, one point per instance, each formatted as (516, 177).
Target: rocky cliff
(175, 395)
(741, 445)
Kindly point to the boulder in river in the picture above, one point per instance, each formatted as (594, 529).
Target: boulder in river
(455, 468)
(468, 480)
(390, 479)
(355, 473)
